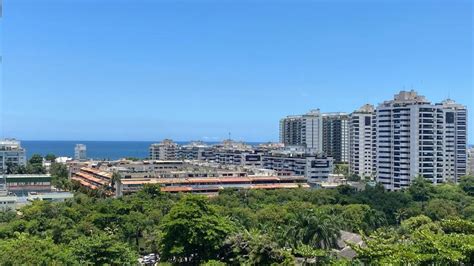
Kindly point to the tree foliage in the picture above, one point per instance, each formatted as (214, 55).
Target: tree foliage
(467, 184)
(422, 225)
(193, 231)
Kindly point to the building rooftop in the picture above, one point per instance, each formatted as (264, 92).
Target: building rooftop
(406, 98)
(366, 109)
(10, 145)
(28, 176)
(220, 180)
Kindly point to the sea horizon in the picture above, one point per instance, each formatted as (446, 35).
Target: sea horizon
(98, 149)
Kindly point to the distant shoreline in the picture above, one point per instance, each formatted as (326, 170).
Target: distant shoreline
(109, 150)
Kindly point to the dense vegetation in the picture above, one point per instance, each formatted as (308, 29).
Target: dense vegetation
(423, 225)
(33, 166)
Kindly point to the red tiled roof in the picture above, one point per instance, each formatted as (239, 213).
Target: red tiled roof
(176, 189)
(204, 180)
(91, 178)
(265, 178)
(276, 186)
(84, 183)
(235, 180)
(103, 174)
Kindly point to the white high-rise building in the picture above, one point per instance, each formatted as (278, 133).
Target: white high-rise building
(165, 150)
(470, 163)
(361, 142)
(11, 154)
(303, 130)
(417, 138)
(455, 139)
(313, 135)
(80, 152)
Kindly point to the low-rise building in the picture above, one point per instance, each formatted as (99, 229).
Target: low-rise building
(144, 169)
(212, 186)
(8, 202)
(247, 158)
(23, 184)
(315, 168)
(92, 178)
(53, 196)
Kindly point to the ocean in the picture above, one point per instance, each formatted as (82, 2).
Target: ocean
(111, 150)
(95, 149)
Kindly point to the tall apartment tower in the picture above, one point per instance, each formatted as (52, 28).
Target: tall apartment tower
(11, 154)
(291, 132)
(165, 150)
(80, 152)
(336, 136)
(417, 138)
(470, 161)
(303, 130)
(455, 139)
(361, 142)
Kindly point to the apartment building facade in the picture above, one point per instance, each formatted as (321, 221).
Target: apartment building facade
(11, 154)
(195, 150)
(80, 152)
(303, 130)
(361, 142)
(470, 162)
(417, 138)
(165, 150)
(335, 136)
(314, 168)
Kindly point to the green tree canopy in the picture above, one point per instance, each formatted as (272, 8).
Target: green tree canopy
(101, 249)
(36, 159)
(193, 231)
(25, 249)
(421, 189)
(50, 157)
(467, 184)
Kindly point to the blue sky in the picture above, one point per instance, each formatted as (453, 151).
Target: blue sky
(147, 70)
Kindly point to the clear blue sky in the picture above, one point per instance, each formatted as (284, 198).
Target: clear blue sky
(147, 70)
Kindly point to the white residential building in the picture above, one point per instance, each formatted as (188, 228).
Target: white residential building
(304, 131)
(417, 138)
(11, 154)
(470, 163)
(165, 150)
(80, 152)
(312, 128)
(315, 168)
(455, 139)
(192, 151)
(361, 142)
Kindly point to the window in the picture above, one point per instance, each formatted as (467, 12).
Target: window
(450, 118)
(367, 121)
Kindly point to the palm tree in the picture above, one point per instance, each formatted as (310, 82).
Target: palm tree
(312, 228)
(115, 178)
